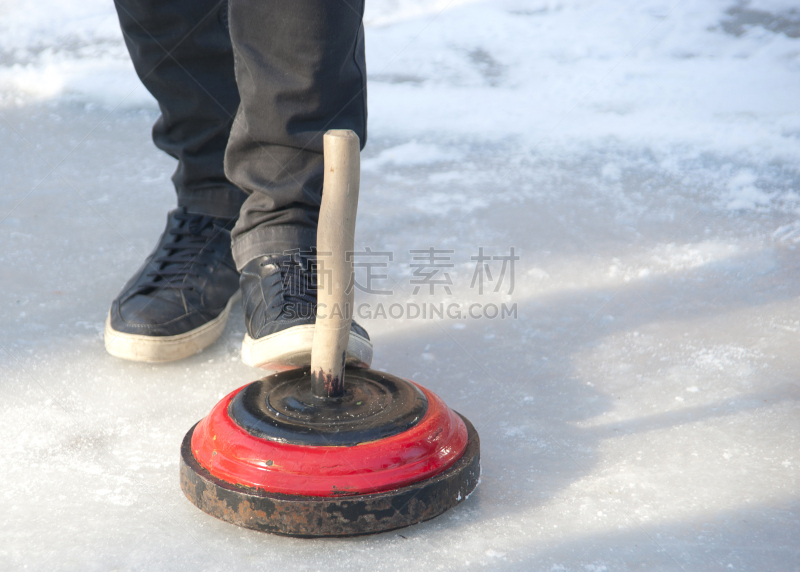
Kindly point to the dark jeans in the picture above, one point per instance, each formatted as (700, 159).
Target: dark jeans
(246, 92)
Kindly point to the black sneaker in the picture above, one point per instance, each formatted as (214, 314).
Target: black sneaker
(279, 297)
(179, 300)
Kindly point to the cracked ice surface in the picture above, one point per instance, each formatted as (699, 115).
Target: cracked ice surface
(640, 412)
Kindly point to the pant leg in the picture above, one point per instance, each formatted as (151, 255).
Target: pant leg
(182, 52)
(300, 70)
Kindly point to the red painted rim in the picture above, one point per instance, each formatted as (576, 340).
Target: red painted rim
(230, 453)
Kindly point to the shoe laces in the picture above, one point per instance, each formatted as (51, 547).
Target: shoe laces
(177, 260)
(299, 279)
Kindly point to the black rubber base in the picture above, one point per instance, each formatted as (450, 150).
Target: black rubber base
(306, 516)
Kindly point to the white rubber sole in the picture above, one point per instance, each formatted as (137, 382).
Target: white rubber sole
(154, 349)
(292, 348)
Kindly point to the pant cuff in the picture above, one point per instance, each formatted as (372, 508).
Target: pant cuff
(223, 202)
(265, 240)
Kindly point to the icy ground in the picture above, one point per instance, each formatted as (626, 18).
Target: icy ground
(641, 412)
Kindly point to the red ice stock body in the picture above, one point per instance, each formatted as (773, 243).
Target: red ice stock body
(231, 453)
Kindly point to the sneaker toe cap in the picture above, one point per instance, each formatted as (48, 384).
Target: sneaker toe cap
(357, 329)
(155, 316)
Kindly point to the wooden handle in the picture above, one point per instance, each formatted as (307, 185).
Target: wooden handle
(335, 239)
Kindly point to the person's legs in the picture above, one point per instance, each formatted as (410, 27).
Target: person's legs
(178, 301)
(181, 50)
(300, 70)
